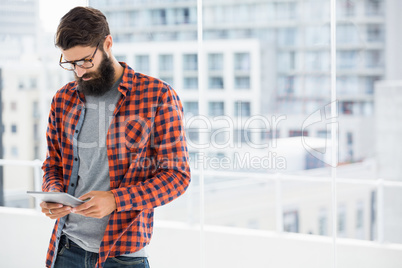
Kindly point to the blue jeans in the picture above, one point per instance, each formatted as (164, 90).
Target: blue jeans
(70, 255)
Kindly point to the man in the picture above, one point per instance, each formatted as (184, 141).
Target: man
(115, 139)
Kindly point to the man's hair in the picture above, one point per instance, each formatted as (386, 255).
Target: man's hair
(81, 26)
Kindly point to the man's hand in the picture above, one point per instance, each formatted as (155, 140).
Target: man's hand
(55, 210)
(101, 204)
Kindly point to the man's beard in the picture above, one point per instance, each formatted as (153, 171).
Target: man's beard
(102, 80)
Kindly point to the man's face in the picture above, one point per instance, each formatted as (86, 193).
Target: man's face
(94, 81)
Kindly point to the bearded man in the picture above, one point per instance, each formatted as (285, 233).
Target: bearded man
(115, 139)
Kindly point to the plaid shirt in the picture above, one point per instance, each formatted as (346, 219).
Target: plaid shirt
(147, 153)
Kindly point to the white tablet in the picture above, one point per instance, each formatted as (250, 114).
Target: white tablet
(57, 197)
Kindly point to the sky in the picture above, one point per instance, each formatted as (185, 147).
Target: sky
(50, 11)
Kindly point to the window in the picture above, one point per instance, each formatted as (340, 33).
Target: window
(13, 128)
(291, 221)
(347, 107)
(242, 136)
(242, 82)
(216, 108)
(242, 108)
(190, 62)
(298, 133)
(374, 59)
(342, 221)
(216, 82)
(14, 151)
(35, 109)
(360, 220)
(165, 63)
(373, 7)
(287, 37)
(374, 33)
(286, 85)
(190, 108)
(285, 11)
(13, 106)
(215, 62)
(323, 222)
(242, 62)
(158, 17)
(346, 8)
(347, 59)
(142, 63)
(190, 83)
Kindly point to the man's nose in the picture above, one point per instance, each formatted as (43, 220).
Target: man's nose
(79, 71)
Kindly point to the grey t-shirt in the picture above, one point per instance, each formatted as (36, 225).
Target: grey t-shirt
(93, 171)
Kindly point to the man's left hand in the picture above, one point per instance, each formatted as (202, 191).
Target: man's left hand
(99, 205)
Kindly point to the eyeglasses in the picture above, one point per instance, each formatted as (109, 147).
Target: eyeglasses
(83, 63)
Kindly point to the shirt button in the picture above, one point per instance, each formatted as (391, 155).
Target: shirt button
(76, 159)
(76, 131)
(72, 184)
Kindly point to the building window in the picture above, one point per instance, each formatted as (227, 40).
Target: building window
(373, 7)
(165, 63)
(347, 59)
(216, 82)
(323, 222)
(33, 83)
(360, 220)
(286, 85)
(190, 83)
(285, 11)
(13, 128)
(347, 107)
(374, 33)
(242, 108)
(346, 8)
(142, 63)
(14, 151)
(158, 17)
(342, 221)
(190, 62)
(215, 62)
(269, 135)
(287, 36)
(190, 108)
(374, 59)
(242, 62)
(13, 106)
(298, 133)
(216, 108)
(242, 82)
(242, 136)
(291, 221)
(193, 136)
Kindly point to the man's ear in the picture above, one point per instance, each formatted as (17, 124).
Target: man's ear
(107, 45)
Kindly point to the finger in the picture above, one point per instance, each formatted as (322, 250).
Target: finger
(48, 205)
(57, 213)
(87, 196)
(82, 207)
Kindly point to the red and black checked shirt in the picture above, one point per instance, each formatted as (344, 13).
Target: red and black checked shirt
(147, 155)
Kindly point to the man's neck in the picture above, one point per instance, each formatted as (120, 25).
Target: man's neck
(118, 70)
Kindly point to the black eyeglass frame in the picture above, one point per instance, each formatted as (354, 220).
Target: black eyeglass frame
(75, 62)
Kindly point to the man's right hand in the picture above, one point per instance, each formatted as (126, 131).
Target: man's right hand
(55, 210)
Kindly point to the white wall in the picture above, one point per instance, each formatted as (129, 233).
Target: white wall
(25, 234)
